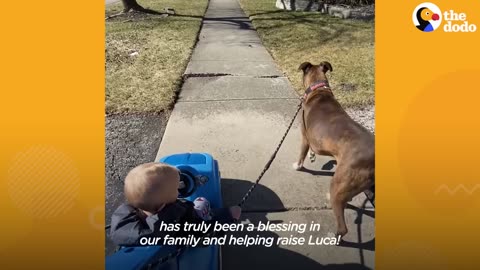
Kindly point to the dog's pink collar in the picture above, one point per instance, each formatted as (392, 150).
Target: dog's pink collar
(315, 86)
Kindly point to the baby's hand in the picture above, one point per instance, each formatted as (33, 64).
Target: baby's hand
(236, 211)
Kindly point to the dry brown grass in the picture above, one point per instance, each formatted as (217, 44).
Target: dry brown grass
(148, 81)
(296, 37)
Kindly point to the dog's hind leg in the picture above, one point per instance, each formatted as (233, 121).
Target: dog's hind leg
(303, 153)
(339, 196)
(346, 184)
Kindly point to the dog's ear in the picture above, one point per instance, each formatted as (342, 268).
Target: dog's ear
(326, 66)
(304, 67)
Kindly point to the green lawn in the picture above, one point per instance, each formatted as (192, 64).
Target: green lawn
(296, 37)
(148, 82)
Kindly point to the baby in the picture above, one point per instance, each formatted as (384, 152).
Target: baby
(151, 191)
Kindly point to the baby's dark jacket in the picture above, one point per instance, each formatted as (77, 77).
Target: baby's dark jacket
(129, 225)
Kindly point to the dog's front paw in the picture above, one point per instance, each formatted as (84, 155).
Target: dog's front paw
(297, 166)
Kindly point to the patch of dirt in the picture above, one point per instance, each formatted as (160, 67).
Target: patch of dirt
(129, 140)
(347, 87)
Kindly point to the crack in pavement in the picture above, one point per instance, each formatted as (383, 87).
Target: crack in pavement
(205, 75)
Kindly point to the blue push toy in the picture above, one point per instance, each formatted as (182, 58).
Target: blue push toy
(200, 177)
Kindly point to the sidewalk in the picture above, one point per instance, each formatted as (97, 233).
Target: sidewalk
(235, 104)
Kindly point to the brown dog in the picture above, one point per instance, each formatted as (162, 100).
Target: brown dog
(328, 130)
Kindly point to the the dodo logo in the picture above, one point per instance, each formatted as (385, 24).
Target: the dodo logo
(427, 17)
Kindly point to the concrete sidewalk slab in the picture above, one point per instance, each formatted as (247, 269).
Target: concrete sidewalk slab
(235, 87)
(233, 52)
(236, 53)
(357, 252)
(228, 36)
(225, 5)
(230, 12)
(240, 68)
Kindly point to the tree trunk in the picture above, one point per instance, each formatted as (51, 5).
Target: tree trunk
(131, 4)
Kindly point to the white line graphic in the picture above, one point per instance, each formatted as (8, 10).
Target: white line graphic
(456, 189)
